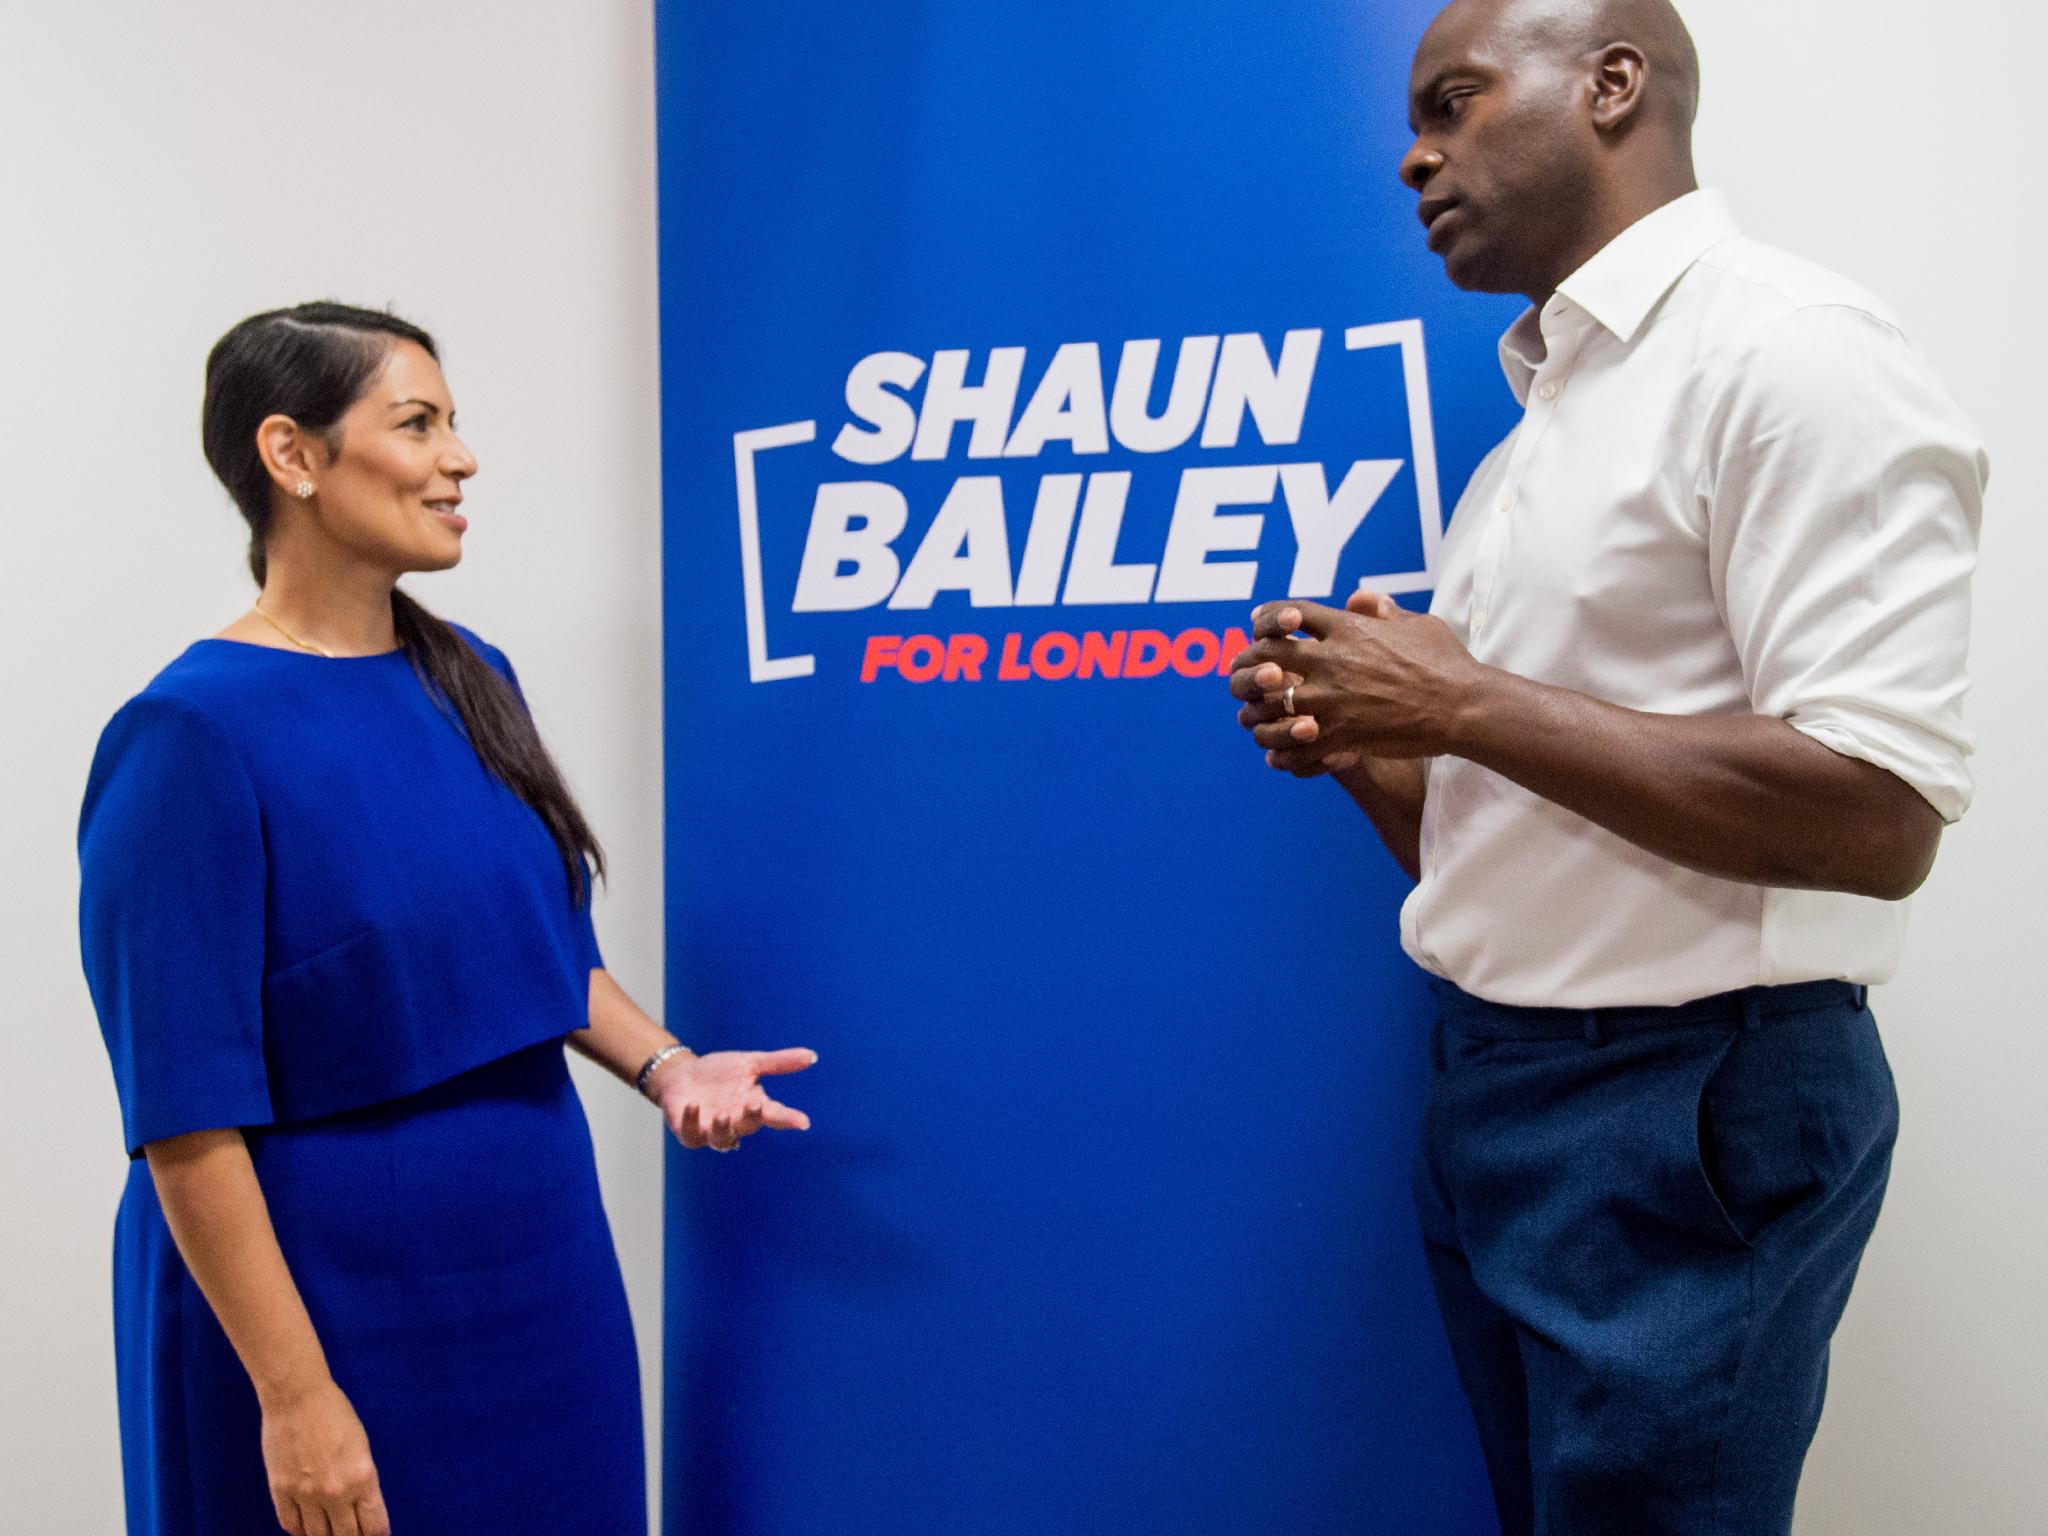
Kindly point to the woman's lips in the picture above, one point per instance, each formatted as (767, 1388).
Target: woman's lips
(449, 515)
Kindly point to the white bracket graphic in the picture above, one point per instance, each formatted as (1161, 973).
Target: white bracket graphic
(762, 667)
(1407, 335)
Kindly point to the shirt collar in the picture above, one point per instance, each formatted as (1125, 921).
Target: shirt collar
(1623, 281)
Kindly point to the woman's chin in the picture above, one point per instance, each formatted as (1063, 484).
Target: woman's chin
(445, 554)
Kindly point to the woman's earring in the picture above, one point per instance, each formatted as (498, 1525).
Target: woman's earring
(303, 490)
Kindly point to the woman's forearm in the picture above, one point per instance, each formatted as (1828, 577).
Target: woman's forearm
(220, 1221)
(620, 1036)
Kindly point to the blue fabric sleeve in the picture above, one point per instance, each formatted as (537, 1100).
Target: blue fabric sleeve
(172, 874)
(585, 929)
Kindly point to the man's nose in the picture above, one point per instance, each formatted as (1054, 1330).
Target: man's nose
(1419, 164)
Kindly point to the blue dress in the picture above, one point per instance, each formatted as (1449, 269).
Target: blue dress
(309, 911)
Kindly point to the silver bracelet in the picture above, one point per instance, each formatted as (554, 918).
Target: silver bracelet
(647, 1070)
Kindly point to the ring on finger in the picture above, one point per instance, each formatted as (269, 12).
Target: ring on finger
(1287, 699)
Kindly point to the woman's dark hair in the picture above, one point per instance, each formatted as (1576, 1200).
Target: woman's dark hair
(311, 363)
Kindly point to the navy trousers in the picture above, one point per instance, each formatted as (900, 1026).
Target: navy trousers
(1642, 1225)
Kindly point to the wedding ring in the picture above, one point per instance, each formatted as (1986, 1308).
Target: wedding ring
(1288, 699)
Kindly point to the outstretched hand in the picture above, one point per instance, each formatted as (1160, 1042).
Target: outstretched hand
(1369, 680)
(713, 1101)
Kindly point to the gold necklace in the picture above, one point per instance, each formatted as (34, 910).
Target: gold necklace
(295, 640)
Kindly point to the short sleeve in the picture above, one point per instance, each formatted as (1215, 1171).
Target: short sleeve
(1844, 493)
(172, 874)
(585, 930)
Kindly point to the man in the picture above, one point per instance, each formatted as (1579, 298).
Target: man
(1679, 735)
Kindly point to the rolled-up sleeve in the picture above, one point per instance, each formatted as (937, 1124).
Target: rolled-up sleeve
(172, 876)
(1843, 490)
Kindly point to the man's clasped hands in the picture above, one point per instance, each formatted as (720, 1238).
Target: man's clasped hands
(1324, 689)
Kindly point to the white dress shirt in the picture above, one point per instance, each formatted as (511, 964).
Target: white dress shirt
(1736, 488)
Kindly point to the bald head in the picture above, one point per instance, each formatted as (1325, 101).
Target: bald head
(1582, 29)
(1545, 127)
(1568, 32)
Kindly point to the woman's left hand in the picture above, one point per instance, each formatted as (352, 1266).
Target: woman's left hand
(712, 1101)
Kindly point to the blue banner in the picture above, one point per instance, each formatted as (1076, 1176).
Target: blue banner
(1010, 354)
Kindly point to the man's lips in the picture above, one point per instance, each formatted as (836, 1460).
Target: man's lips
(1432, 212)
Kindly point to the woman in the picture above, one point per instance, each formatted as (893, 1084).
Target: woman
(335, 914)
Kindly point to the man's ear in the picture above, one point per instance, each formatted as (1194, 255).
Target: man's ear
(1618, 78)
(293, 456)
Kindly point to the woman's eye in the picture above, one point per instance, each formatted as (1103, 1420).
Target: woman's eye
(417, 423)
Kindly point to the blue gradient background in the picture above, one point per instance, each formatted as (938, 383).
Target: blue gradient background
(1104, 1227)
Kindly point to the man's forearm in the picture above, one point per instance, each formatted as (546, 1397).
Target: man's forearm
(1743, 797)
(1390, 791)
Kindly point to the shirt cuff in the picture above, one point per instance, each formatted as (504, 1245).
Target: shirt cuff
(1935, 767)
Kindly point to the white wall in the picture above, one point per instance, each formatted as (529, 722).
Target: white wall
(489, 169)
(164, 170)
(1899, 142)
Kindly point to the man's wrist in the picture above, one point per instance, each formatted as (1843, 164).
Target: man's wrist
(1475, 718)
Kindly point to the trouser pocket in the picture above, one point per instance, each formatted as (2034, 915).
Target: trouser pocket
(1751, 1127)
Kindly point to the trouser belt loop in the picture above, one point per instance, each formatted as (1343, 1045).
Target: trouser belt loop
(1862, 998)
(1752, 1009)
(1592, 1022)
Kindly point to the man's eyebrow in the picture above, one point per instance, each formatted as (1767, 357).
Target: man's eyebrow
(1425, 94)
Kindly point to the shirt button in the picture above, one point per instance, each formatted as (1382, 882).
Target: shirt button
(1548, 391)
(1507, 503)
